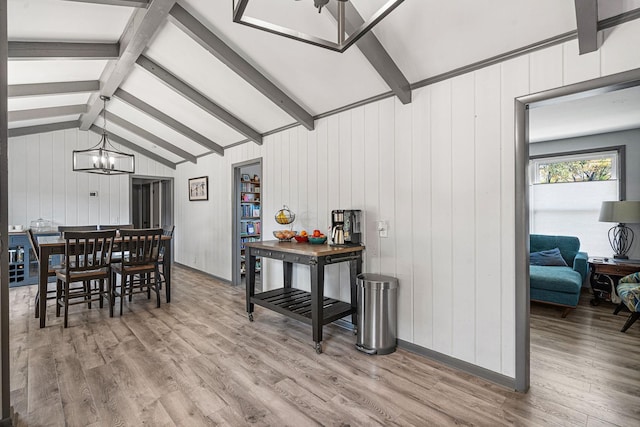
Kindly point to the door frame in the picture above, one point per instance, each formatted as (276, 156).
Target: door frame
(170, 201)
(522, 106)
(236, 277)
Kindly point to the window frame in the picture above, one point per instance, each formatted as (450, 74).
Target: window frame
(618, 169)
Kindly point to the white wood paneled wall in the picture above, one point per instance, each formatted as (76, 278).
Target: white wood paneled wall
(204, 228)
(441, 172)
(43, 185)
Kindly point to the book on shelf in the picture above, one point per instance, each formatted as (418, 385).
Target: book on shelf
(250, 228)
(248, 187)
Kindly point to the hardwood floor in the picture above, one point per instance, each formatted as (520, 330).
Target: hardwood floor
(198, 361)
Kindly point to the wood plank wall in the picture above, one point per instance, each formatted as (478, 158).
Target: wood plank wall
(441, 172)
(43, 185)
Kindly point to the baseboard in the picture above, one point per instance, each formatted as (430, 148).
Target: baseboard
(452, 362)
(467, 367)
(213, 276)
(345, 324)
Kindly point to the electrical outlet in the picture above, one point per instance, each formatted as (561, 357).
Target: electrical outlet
(93, 194)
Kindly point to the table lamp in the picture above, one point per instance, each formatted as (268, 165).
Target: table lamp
(620, 236)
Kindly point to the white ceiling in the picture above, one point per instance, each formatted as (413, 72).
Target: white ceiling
(609, 112)
(424, 39)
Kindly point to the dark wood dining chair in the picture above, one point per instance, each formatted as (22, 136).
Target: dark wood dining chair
(167, 230)
(51, 270)
(138, 268)
(64, 228)
(88, 259)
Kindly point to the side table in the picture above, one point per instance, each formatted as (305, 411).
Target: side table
(605, 273)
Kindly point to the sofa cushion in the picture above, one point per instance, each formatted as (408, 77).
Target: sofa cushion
(558, 279)
(551, 257)
(568, 245)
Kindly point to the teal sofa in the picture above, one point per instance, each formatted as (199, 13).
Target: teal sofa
(554, 284)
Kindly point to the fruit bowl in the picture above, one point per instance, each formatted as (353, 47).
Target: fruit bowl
(301, 239)
(284, 235)
(317, 240)
(284, 216)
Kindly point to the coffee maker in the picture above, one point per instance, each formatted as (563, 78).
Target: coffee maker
(346, 227)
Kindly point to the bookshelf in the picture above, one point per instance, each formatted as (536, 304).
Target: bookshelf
(250, 218)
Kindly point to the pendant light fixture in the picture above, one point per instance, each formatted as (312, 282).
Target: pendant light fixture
(103, 158)
(351, 26)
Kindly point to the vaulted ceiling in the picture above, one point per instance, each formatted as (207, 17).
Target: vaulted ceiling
(186, 81)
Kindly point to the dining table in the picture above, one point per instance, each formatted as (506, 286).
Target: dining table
(55, 245)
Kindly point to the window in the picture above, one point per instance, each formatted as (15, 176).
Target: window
(576, 168)
(567, 191)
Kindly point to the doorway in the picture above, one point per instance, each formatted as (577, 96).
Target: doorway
(151, 202)
(247, 214)
(523, 105)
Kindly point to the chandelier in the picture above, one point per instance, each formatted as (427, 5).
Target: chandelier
(103, 158)
(351, 26)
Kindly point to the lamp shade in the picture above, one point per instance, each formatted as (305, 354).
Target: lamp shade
(623, 212)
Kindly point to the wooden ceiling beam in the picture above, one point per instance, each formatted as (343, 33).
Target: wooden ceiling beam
(199, 99)
(375, 53)
(39, 89)
(50, 127)
(142, 27)
(134, 147)
(124, 124)
(587, 23)
(168, 121)
(62, 50)
(214, 45)
(45, 113)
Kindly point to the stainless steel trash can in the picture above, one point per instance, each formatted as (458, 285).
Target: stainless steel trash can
(377, 313)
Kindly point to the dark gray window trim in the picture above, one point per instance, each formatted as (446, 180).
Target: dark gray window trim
(622, 162)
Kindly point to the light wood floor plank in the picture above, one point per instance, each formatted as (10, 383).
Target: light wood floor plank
(199, 361)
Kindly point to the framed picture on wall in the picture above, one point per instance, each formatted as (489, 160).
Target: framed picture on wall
(246, 177)
(199, 188)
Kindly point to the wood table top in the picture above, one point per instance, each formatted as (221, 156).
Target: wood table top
(614, 261)
(303, 248)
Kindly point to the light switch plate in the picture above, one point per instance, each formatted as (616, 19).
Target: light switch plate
(383, 227)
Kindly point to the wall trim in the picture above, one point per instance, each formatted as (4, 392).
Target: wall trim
(452, 362)
(213, 276)
(522, 105)
(461, 365)
(236, 277)
(5, 387)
